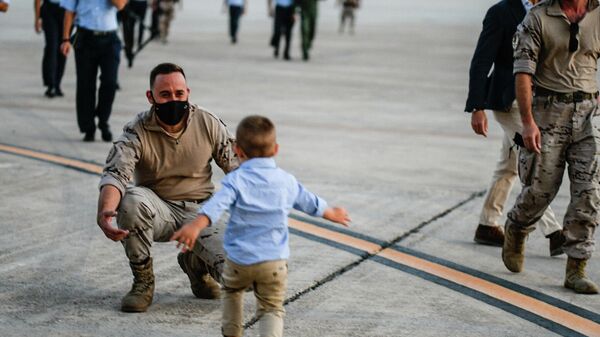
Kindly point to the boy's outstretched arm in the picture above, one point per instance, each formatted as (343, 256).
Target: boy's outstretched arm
(337, 214)
(208, 213)
(189, 232)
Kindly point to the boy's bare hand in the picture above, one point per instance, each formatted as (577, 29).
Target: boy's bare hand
(188, 234)
(337, 214)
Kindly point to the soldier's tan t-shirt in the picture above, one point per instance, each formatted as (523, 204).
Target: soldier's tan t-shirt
(541, 48)
(176, 167)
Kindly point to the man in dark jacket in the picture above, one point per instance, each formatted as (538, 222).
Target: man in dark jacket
(497, 92)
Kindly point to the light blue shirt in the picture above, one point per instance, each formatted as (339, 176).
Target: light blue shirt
(259, 196)
(284, 3)
(100, 15)
(239, 3)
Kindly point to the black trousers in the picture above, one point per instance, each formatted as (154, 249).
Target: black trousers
(53, 61)
(133, 14)
(93, 52)
(283, 24)
(235, 12)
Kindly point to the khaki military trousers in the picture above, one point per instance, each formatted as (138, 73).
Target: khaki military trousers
(570, 135)
(269, 280)
(149, 219)
(506, 173)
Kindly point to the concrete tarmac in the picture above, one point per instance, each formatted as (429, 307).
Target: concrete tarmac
(373, 122)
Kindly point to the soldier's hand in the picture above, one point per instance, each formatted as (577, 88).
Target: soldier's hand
(337, 214)
(479, 122)
(532, 137)
(104, 220)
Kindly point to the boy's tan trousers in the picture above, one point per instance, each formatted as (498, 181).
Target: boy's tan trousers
(269, 280)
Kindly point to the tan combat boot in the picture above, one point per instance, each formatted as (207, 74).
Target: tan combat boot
(513, 250)
(576, 279)
(202, 284)
(139, 298)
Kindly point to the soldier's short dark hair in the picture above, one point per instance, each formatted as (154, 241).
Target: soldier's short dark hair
(163, 69)
(256, 136)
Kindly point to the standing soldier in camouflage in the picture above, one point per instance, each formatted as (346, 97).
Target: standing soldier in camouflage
(348, 9)
(308, 24)
(495, 91)
(556, 50)
(168, 150)
(166, 12)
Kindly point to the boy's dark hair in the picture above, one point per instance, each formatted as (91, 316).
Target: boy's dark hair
(255, 135)
(163, 69)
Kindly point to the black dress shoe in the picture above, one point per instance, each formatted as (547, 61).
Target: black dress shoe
(89, 136)
(58, 92)
(276, 53)
(50, 92)
(557, 239)
(286, 56)
(106, 135)
(489, 235)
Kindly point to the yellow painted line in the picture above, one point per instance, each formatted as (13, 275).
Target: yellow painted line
(540, 308)
(77, 164)
(345, 239)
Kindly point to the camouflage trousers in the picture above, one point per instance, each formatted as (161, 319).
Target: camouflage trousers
(167, 12)
(149, 219)
(570, 134)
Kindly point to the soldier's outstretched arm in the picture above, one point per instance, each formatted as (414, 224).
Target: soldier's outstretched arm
(108, 201)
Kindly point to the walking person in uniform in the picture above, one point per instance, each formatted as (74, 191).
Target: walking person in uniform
(259, 196)
(283, 22)
(49, 17)
(348, 9)
(308, 25)
(236, 9)
(497, 93)
(168, 151)
(556, 51)
(96, 46)
(134, 14)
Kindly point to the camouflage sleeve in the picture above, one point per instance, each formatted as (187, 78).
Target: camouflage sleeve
(121, 160)
(526, 45)
(222, 151)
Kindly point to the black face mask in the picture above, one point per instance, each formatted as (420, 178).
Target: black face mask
(171, 112)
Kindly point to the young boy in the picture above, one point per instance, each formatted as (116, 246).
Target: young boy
(259, 196)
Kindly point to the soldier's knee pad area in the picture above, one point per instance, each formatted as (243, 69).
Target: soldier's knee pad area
(134, 214)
